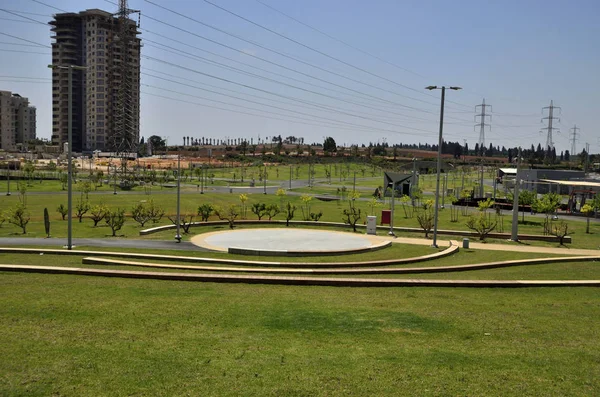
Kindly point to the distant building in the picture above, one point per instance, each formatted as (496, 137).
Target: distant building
(17, 121)
(91, 38)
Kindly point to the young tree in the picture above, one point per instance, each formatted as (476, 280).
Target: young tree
(228, 214)
(63, 211)
(244, 208)
(156, 213)
(561, 230)
(205, 210)
(289, 213)
(352, 214)
(19, 216)
(547, 205)
(98, 212)
(140, 214)
(115, 219)
(588, 211)
(259, 209)
(425, 217)
(185, 221)
(272, 210)
(82, 207)
(481, 223)
(373, 203)
(306, 199)
(47, 222)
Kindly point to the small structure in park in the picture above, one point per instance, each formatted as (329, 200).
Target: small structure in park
(400, 182)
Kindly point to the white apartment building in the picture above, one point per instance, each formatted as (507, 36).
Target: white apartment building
(17, 121)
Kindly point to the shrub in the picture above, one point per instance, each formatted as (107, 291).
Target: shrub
(19, 216)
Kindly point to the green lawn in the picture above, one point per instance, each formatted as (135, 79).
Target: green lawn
(94, 336)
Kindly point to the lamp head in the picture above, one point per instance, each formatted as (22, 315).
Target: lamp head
(455, 88)
(431, 87)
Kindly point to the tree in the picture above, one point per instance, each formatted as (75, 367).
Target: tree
(156, 213)
(98, 212)
(115, 219)
(547, 205)
(306, 199)
(561, 230)
(63, 211)
(47, 222)
(157, 143)
(425, 218)
(228, 214)
(289, 213)
(205, 210)
(272, 210)
(82, 207)
(259, 209)
(482, 224)
(19, 216)
(185, 221)
(588, 211)
(243, 200)
(140, 214)
(329, 145)
(351, 215)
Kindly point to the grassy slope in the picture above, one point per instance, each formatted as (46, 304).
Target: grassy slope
(96, 336)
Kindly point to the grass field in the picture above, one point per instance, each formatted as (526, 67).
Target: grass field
(87, 336)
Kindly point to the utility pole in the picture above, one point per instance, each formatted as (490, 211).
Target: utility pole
(549, 128)
(481, 123)
(574, 135)
(587, 157)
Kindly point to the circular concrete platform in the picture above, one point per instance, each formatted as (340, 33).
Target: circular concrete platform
(288, 242)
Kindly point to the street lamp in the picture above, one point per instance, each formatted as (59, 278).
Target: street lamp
(178, 235)
(391, 232)
(70, 68)
(439, 160)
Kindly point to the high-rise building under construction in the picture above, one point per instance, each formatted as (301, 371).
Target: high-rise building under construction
(106, 96)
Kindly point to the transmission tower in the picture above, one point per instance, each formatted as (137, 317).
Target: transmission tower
(481, 123)
(574, 135)
(124, 137)
(549, 128)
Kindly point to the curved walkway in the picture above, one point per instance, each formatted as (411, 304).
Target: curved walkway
(313, 281)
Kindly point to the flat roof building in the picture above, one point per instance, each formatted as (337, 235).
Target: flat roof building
(106, 96)
(17, 121)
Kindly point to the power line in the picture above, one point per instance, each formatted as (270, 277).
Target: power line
(48, 5)
(281, 54)
(30, 13)
(28, 41)
(24, 52)
(252, 114)
(340, 41)
(25, 77)
(24, 17)
(318, 51)
(293, 86)
(315, 105)
(262, 90)
(270, 62)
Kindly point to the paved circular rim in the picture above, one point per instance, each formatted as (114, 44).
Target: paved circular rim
(291, 242)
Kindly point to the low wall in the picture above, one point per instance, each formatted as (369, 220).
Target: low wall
(463, 233)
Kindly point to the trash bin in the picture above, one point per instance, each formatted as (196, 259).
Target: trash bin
(465, 243)
(386, 217)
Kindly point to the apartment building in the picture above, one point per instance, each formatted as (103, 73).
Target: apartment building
(17, 121)
(92, 38)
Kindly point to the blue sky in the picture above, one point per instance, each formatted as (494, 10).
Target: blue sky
(518, 55)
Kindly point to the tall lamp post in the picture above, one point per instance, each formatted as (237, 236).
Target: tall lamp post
(439, 160)
(178, 235)
(70, 69)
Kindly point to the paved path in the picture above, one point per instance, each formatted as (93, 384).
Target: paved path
(103, 242)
